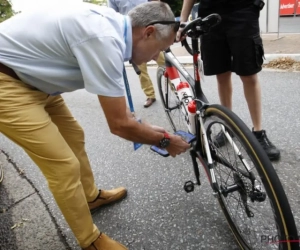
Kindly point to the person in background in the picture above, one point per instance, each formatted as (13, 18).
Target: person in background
(123, 7)
(87, 49)
(234, 45)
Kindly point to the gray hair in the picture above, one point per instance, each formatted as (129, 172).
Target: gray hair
(145, 13)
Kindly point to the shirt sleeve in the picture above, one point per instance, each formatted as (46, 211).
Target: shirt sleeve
(101, 63)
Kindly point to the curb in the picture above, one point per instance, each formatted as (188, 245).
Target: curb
(25, 217)
(268, 58)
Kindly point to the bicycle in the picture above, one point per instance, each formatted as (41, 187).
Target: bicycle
(240, 173)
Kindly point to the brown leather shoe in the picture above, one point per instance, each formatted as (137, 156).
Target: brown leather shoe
(149, 102)
(103, 242)
(106, 197)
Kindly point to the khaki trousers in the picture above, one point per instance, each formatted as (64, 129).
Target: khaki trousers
(145, 80)
(44, 127)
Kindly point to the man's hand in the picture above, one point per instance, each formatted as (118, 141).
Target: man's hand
(179, 38)
(185, 12)
(177, 145)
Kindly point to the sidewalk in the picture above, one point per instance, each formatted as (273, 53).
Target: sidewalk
(275, 46)
(25, 220)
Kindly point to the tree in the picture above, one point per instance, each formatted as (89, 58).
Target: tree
(5, 10)
(175, 6)
(98, 2)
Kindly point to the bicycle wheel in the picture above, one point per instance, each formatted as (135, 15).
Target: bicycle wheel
(258, 212)
(170, 102)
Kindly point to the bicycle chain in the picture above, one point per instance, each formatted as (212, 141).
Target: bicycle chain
(245, 182)
(247, 190)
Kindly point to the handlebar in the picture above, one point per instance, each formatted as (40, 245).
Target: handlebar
(187, 46)
(198, 27)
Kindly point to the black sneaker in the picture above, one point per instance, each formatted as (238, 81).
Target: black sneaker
(272, 152)
(220, 139)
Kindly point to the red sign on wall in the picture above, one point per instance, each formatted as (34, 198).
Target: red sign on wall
(298, 7)
(287, 7)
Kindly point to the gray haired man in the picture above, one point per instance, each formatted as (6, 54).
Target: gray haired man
(82, 46)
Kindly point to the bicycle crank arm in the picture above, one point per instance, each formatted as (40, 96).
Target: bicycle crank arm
(189, 186)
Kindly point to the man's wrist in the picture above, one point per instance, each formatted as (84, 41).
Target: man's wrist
(165, 141)
(183, 19)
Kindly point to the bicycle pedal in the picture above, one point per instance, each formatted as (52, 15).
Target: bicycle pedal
(186, 136)
(189, 186)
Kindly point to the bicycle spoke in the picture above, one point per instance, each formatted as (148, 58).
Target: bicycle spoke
(172, 105)
(262, 222)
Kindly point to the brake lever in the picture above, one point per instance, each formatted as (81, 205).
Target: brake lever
(204, 24)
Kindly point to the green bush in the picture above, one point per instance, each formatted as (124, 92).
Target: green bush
(5, 10)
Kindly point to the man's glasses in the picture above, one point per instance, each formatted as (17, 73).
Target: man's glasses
(176, 24)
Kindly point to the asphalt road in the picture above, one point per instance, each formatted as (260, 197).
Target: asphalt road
(158, 214)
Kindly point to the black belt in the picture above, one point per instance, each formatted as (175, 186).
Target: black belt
(8, 71)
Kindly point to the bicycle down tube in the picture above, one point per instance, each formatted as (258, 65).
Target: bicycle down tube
(173, 66)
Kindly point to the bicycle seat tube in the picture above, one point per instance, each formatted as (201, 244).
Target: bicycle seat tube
(198, 90)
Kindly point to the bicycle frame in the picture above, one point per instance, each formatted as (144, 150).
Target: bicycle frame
(200, 149)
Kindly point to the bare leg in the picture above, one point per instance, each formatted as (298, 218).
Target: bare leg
(225, 89)
(252, 94)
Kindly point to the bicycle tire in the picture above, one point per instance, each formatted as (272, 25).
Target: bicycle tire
(173, 113)
(284, 233)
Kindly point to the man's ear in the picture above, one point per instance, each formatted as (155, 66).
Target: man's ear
(149, 31)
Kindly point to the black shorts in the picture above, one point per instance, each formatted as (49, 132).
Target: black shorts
(233, 45)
